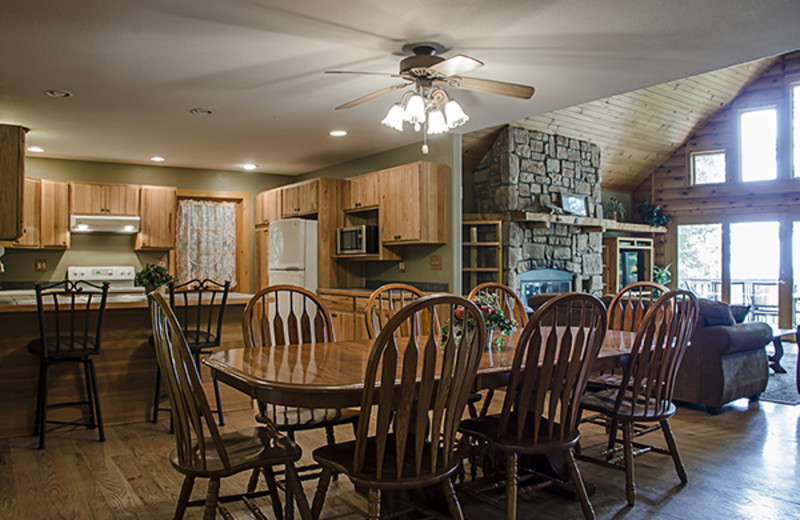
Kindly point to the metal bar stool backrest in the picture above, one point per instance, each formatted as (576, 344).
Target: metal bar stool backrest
(70, 317)
(658, 348)
(285, 315)
(628, 307)
(187, 399)
(384, 302)
(200, 308)
(430, 377)
(506, 298)
(552, 363)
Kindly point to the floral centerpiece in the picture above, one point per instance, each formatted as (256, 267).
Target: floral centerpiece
(152, 277)
(498, 325)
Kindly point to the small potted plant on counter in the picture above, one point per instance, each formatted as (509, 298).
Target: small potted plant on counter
(152, 277)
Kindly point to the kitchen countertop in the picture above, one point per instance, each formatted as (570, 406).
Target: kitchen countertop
(25, 301)
(355, 291)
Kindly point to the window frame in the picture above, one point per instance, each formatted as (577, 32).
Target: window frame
(740, 148)
(693, 154)
(794, 169)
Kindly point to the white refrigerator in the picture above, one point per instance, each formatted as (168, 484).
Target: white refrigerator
(293, 253)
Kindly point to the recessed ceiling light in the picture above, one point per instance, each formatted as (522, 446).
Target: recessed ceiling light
(35, 149)
(54, 93)
(157, 158)
(249, 167)
(338, 133)
(199, 111)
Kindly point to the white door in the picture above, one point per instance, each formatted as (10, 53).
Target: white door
(287, 246)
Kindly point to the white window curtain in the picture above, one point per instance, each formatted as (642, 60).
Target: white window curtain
(206, 240)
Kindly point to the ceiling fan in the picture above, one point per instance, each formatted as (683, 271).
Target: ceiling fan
(425, 69)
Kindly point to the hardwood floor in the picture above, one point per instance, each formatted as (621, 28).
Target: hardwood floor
(742, 464)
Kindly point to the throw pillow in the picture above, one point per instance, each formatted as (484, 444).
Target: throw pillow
(739, 312)
(715, 313)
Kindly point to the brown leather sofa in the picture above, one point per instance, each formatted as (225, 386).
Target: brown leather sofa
(725, 360)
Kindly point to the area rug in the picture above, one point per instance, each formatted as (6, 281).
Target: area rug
(782, 388)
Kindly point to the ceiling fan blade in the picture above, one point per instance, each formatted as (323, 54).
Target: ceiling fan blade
(373, 95)
(491, 86)
(458, 64)
(363, 73)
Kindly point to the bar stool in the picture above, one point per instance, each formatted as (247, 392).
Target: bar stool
(199, 306)
(70, 322)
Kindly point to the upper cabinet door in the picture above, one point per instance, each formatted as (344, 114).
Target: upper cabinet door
(12, 175)
(157, 210)
(31, 215)
(268, 206)
(300, 199)
(122, 199)
(413, 204)
(88, 198)
(362, 192)
(55, 214)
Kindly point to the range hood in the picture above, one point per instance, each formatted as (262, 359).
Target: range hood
(103, 224)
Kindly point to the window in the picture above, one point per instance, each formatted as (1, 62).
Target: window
(758, 137)
(796, 130)
(708, 167)
(206, 245)
(700, 259)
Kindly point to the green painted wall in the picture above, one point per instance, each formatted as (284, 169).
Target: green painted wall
(118, 249)
(444, 149)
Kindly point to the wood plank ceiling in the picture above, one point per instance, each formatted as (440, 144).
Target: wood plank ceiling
(639, 130)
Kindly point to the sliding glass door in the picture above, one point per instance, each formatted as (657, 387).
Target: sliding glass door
(755, 264)
(700, 259)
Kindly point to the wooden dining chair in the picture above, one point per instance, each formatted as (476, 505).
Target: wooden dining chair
(645, 391)
(551, 365)
(408, 439)
(201, 450)
(384, 302)
(512, 306)
(628, 307)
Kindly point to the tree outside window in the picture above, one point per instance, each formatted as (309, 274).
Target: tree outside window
(708, 167)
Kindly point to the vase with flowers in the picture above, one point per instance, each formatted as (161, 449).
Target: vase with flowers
(498, 325)
(152, 277)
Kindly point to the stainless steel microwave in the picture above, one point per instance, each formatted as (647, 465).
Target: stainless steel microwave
(357, 240)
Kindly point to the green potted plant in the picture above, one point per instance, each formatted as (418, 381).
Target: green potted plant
(153, 276)
(615, 208)
(653, 215)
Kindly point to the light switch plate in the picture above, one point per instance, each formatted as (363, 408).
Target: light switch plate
(401, 267)
(436, 262)
(40, 265)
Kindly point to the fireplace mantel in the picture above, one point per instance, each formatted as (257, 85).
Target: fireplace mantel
(545, 220)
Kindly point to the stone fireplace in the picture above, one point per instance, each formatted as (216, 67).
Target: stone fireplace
(530, 171)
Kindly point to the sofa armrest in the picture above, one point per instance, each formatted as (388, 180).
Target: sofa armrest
(721, 340)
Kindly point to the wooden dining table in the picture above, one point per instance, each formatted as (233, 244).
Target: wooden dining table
(331, 374)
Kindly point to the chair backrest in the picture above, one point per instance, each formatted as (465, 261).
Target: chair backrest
(551, 366)
(384, 302)
(187, 399)
(70, 316)
(628, 307)
(657, 351)
(285, 315)
(507, 299)
(430, 377)
(200, 308)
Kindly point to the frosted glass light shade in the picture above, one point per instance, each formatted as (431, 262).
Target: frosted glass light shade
(415, 110)
(394, 118)
(455, 115)
(436, 123)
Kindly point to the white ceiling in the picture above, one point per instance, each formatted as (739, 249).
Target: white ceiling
(136, 67)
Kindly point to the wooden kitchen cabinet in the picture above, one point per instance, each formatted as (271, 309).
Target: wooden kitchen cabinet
(31, 215)
(12, 180)
(105, 199)
(55, 214)
(362, 192)
(414, 204)
(157, 209)
(268, 207)
(262, 257)
(347, 313)
(300, 199)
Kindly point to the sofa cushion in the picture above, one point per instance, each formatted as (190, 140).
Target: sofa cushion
(723, 340)
(740, 312)
(713, 313)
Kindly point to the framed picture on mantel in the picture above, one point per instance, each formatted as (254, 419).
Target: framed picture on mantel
(574, 204)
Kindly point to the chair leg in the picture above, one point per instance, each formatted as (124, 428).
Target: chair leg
(269, 476)
(611, 428)
(89, 394)
(486, 402)
(253, 482)
(627, 443)
(157, 397)
(452, 500)
(97, 402)
(183, 499)
(45, 382)
(374, 507)
(673, 450)
(219, 402)
(37, 417)
(512, 480)
(296, 488)
(211, 500)
(322, 490)
(580, 487)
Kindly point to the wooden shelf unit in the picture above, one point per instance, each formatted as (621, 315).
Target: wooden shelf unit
(613, 249)
(482, 246)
